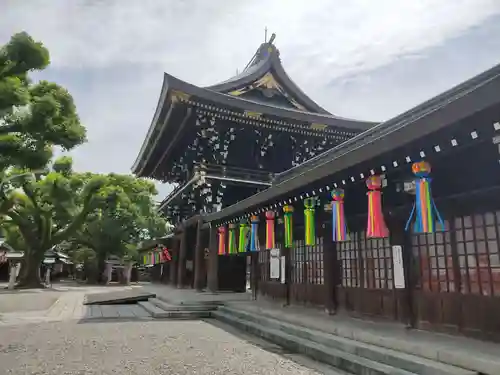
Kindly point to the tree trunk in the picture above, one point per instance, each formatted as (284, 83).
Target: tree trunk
(95, 270)
(91, 272)
(30, 272)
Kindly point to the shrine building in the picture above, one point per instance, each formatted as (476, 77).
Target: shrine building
(397, 220)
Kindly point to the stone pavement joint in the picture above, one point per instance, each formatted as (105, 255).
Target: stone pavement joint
(69, 306)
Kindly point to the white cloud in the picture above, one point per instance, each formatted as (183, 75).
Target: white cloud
(111, 54)
(339, 37)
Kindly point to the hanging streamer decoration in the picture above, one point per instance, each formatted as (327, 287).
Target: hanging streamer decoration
(309, 208)
(376, 227)
(254, 233)
(288, 222)
(338, 216)
(232, 249)
(222, 240)
(270, 236)
(424, 208)
(243, 237)
(165, 255)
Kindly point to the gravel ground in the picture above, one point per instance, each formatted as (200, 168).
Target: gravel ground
(149, 348)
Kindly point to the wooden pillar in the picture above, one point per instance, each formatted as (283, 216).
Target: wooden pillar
(404, 309)
(254, 273)
(213, 261)
(174, 261)
(181, 267)
(331, 268)
(285, 252)
(199, 261)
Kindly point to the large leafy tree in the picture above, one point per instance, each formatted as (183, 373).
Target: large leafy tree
(127, 215)
(33, 117)
(45, 209)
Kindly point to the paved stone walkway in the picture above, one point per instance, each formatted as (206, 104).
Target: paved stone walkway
(60, 304)
(153, 347)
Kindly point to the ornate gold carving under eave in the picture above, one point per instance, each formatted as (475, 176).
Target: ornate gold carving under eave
(268, 81)
(177, 96)
(318, 126)
(296, 104)
(253, 114)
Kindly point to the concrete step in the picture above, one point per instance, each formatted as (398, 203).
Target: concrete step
(343, 361)
(173, 307)
(268, 346)
(408, 362)
(158, 313)
(212, 305)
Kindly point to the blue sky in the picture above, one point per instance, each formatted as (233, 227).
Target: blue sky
(360, 58)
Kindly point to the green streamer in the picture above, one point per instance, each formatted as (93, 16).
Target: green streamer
(232, 239)
(310, 235)
(243, 237)
(288, 223)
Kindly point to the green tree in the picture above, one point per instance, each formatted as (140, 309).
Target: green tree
(33, 117)
(127, 215)
(47, 209)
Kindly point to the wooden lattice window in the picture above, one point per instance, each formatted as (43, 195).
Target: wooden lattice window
(478, 252)
(297, 257)
(264, 265)
(348, 256)
(377, 262)
(434, 260)
(314, 262)
(307, 262)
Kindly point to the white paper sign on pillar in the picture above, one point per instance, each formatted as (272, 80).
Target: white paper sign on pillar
(398, 270)
(274, 264)
(283, 272)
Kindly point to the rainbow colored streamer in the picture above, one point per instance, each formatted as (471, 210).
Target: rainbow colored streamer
(243, 237)
(270, 235)
(232, 249)
(222, 240)
(339, 225)
(424, 206)
(151, 258)
(310, 228)
(376, 227)
(288, 223)
(254, 233)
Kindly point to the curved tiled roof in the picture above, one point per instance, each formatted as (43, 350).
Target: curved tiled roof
(471, 96)
(265, 61)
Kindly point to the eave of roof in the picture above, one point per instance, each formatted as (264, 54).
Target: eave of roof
(269, 63)
(457, 103)
(170, 84)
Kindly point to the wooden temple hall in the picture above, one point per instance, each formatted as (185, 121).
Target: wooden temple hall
(397, 220)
